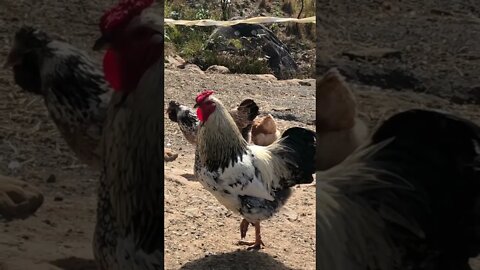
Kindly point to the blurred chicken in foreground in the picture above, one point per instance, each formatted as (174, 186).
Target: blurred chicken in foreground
(72, 86)
(409, 199)
(129, 229)
(250, 180)
(339, 129)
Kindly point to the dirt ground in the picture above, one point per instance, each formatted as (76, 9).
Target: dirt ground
(199, 232)
(59, 235)
(426, 46)
(405, 54)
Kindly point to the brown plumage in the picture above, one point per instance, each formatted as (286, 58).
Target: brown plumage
(264, 131)
(339, 128)
(244, 116)
(187, 120)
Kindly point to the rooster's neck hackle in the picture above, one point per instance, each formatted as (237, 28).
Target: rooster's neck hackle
(219, 140)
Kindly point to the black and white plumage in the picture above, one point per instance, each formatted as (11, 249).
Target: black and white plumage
(252, 181)
(188, 121)
(72, 85)
(409, 199)
(129, 228)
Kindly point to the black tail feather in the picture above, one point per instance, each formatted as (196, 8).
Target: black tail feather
(172, 110)
(300, 144)
(438, 154)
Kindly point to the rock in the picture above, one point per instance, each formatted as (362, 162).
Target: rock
(175, 61)
(365, 73)
(373, 53)
(18, 199)
(194, 68)
(254, 41)
(169, 155)
(265, 77)
(304, 83)
(14, 165)
(51, 179)
(218, 69)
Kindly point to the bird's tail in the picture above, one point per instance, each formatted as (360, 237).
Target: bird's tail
(297, 149)
(172, 110)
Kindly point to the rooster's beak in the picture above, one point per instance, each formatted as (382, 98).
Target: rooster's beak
(195, 106)
(100, 44)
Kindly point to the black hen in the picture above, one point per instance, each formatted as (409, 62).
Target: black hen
(408, 200)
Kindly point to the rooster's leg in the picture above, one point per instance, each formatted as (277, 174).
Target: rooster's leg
(258, 238)
(243, 228)
(243, 232)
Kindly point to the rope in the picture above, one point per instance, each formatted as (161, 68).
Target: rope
(255, 20)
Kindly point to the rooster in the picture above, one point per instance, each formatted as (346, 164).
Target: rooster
(250, 180)
(129, 229)
(188, 122)
(72, 86)
(264, 131)
(409, 199)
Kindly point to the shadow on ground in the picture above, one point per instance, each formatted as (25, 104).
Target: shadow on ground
(74, 263)
(239, 260)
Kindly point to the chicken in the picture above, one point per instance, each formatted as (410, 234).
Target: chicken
(250, 180)
(264, 131)
(129, 228)
(72, 86)
(339, 128)
(409, 199)
(188, 122)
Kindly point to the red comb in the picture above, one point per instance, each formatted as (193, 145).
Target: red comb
(202, 96)
(122, 13)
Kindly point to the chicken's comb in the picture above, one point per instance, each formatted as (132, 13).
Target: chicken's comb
(121, 14)
(202, 96)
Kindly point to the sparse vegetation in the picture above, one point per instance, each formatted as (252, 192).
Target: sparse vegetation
(189, 42)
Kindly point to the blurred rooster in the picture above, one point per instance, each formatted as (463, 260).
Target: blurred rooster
(188, 122)
(264, 131)
(72, 86)
(250, 180)
(129, 229)
(408, 200)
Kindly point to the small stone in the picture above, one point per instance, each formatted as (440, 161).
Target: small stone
(51, 179)
(14, 165)
(373, 53)
(304, 83)
(218, 69)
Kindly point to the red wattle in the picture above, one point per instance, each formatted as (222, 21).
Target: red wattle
(111, 69)
(200, 114)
